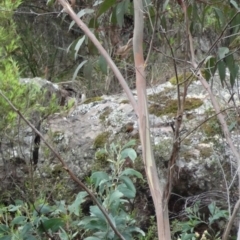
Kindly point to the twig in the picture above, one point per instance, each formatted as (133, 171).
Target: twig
(230, 223)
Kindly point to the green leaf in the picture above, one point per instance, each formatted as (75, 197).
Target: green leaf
(18, 220)
(77, 69)
(96, 212)
(222, 70)
(54, 224)
(220, 16)
(81, 14)
(105, 6)
(131, 172)
(128, 182)
(126, 191)
(78, 45)
(63, 235)
(4, 229)
(114, 199)
(222, 51)
(97, 177)
(44, 209)
(102, 64)
(131, 143)
(8, 237)
(120, 11)
(233, 68)
(165, 5)
(234, 4)
(210, 67)
(129, 152)
(75, 206)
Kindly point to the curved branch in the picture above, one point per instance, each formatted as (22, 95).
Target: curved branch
(86, 30)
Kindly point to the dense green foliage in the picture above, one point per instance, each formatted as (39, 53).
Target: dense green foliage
(111, 22)
(115, 192)
(9, 73)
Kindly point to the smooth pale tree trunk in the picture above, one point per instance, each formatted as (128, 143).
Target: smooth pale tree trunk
(157, 187)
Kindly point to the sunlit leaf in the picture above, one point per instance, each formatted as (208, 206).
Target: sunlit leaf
(78, 45)
(77, 69)
(131, 172)
(222, 52)
(81, 14)
(129, 152)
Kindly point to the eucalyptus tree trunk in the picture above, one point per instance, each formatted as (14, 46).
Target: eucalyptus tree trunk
(157, 187)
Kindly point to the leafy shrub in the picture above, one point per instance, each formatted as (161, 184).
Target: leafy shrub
(187, 230)
(114, 191)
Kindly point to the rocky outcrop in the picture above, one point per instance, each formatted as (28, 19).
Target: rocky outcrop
(77, 135)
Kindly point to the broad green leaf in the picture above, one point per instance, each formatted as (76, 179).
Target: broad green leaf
(114, 199)
(27, 228)
(105, 6)
(121, 9)
(131, 143)
(129, 152)
(75, 206)
(222, 70)
(187, 236)
(54, 224)
(233, 74)
(210, 67)
(13, 208)
(128, 183)
(8, 237)
(126, 191)
(220, 16)
(96, 212)
(77, 69)
(78, 45)
(120, 13)
(97, 177)
(63, 235)
(212, 208)
(81, 14)
(234, 4)
(131, 172)
(44, 209)
(222, 52)
(233, 68)
(4, 229)
(18, 220)
(102, 64)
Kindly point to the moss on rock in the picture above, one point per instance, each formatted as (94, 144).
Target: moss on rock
(93, 99)
(101, 140)
(189, 77)
(171, 106)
